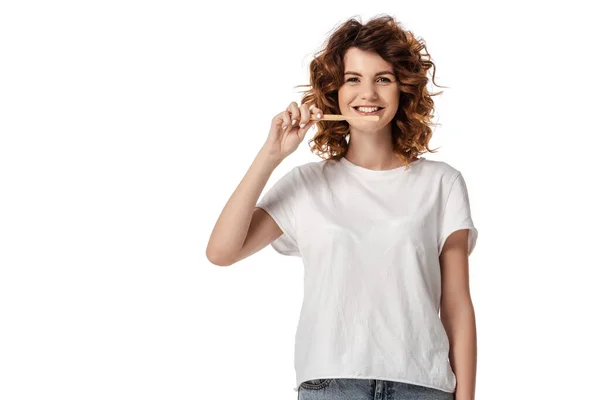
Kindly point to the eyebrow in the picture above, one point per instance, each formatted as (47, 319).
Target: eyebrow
(377, 74)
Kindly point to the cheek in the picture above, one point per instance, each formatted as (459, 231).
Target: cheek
(344, 102)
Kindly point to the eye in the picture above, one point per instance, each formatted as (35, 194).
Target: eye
(350, 79)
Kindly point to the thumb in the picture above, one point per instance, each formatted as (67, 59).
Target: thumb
(306, 129)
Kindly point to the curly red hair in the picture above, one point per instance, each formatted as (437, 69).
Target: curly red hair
(411, 131)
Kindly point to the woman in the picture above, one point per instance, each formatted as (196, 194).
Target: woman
(381, 231)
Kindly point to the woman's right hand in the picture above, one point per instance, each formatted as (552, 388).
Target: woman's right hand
(284, 137)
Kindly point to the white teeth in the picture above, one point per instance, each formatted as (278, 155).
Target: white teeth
(367, 109)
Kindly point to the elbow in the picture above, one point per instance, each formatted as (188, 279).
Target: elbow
(217, 259)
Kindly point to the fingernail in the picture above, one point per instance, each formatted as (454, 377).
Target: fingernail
(283, 126)
(293, 122)
(302, 125)
(319, 115)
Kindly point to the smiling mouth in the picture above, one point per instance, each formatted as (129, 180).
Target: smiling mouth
(379, 109)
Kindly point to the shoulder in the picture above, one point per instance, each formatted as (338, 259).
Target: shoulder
(442, 167)
(302, 174)
(441, 171)
(314, 167)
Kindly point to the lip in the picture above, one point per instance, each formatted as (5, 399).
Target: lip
(373, 113)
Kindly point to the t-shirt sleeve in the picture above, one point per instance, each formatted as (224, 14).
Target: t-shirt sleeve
(280, 203)
(456, 215)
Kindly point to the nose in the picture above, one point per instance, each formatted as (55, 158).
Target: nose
(369, 92)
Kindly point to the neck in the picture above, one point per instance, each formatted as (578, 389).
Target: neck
(373, 150)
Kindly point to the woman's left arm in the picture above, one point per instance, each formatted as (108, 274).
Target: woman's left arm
(457, 313)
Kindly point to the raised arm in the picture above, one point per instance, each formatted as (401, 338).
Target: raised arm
(232, 226)
(242, 229)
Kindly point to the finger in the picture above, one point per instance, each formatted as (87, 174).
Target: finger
(302, 131)
(307, 126)
(304, 115)
(284, 116)
(315, 111)
(295, 112)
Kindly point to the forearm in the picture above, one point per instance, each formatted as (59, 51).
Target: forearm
(231, 227)
(462, 335)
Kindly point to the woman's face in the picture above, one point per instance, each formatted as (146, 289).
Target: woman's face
(376, 85)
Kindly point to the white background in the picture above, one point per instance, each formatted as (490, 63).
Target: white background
(126, 126)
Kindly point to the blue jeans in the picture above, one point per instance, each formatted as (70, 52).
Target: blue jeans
(367, 389)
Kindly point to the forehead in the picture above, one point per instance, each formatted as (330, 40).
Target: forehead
(359, 60)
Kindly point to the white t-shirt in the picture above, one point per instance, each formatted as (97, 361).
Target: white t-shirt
(370, 243)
